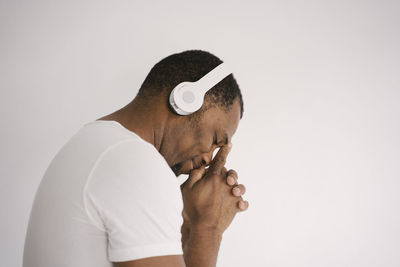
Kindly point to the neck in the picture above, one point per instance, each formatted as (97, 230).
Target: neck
(147, 122)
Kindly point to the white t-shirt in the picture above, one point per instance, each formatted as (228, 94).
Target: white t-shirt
(107, 196)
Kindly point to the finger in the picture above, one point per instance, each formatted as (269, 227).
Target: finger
(194, 176)
(231, 181)
(239, 190)
(219, 160)
(232, 177)
(243, 205)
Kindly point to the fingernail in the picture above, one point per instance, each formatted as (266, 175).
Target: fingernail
(236, 191)
(229, 145)
(242, 205)
(231, 180)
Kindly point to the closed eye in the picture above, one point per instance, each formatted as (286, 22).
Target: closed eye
(215, 141)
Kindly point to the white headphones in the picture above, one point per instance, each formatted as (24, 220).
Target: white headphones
(188, 97)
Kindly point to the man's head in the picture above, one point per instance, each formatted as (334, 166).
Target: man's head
(189, 141)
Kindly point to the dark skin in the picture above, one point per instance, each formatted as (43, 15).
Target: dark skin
(211, 197)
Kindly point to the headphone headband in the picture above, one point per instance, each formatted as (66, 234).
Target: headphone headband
(212, 78)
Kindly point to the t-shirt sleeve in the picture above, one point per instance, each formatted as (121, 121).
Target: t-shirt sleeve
(135, 197)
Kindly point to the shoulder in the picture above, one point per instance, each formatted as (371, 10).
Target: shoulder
(135, 154)
(132, 163)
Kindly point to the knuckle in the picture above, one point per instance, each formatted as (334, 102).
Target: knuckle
(213, 172)
(236, 190)
(232, 181)
(233, 173)
(239, 189)
(220, 160)
(243, 205)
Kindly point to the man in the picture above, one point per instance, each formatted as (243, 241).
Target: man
(111, 196)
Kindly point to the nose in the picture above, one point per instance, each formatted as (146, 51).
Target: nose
(206, 158)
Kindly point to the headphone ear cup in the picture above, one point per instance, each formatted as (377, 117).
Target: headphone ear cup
(186, 98)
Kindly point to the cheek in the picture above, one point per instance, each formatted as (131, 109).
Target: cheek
(194, 146)
(186, 148)
(191, 143)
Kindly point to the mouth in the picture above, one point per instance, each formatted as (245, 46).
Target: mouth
(192, 167)
(185, 168)
(195, 167)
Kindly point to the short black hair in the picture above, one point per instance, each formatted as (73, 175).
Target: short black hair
(190, 66)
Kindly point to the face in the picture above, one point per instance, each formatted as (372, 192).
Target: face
(194, 145)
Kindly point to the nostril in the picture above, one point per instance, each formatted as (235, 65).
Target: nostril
(203, 162)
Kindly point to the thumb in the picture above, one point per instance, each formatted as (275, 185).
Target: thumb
(195, 176)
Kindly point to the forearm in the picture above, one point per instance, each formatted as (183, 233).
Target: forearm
(201, 247)
(185, 231)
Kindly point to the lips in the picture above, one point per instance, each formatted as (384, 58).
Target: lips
(192, 166)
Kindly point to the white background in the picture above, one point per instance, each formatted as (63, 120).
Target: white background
(318, 147)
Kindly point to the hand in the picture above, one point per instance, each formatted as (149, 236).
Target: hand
(236, 190)
(209, 200)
